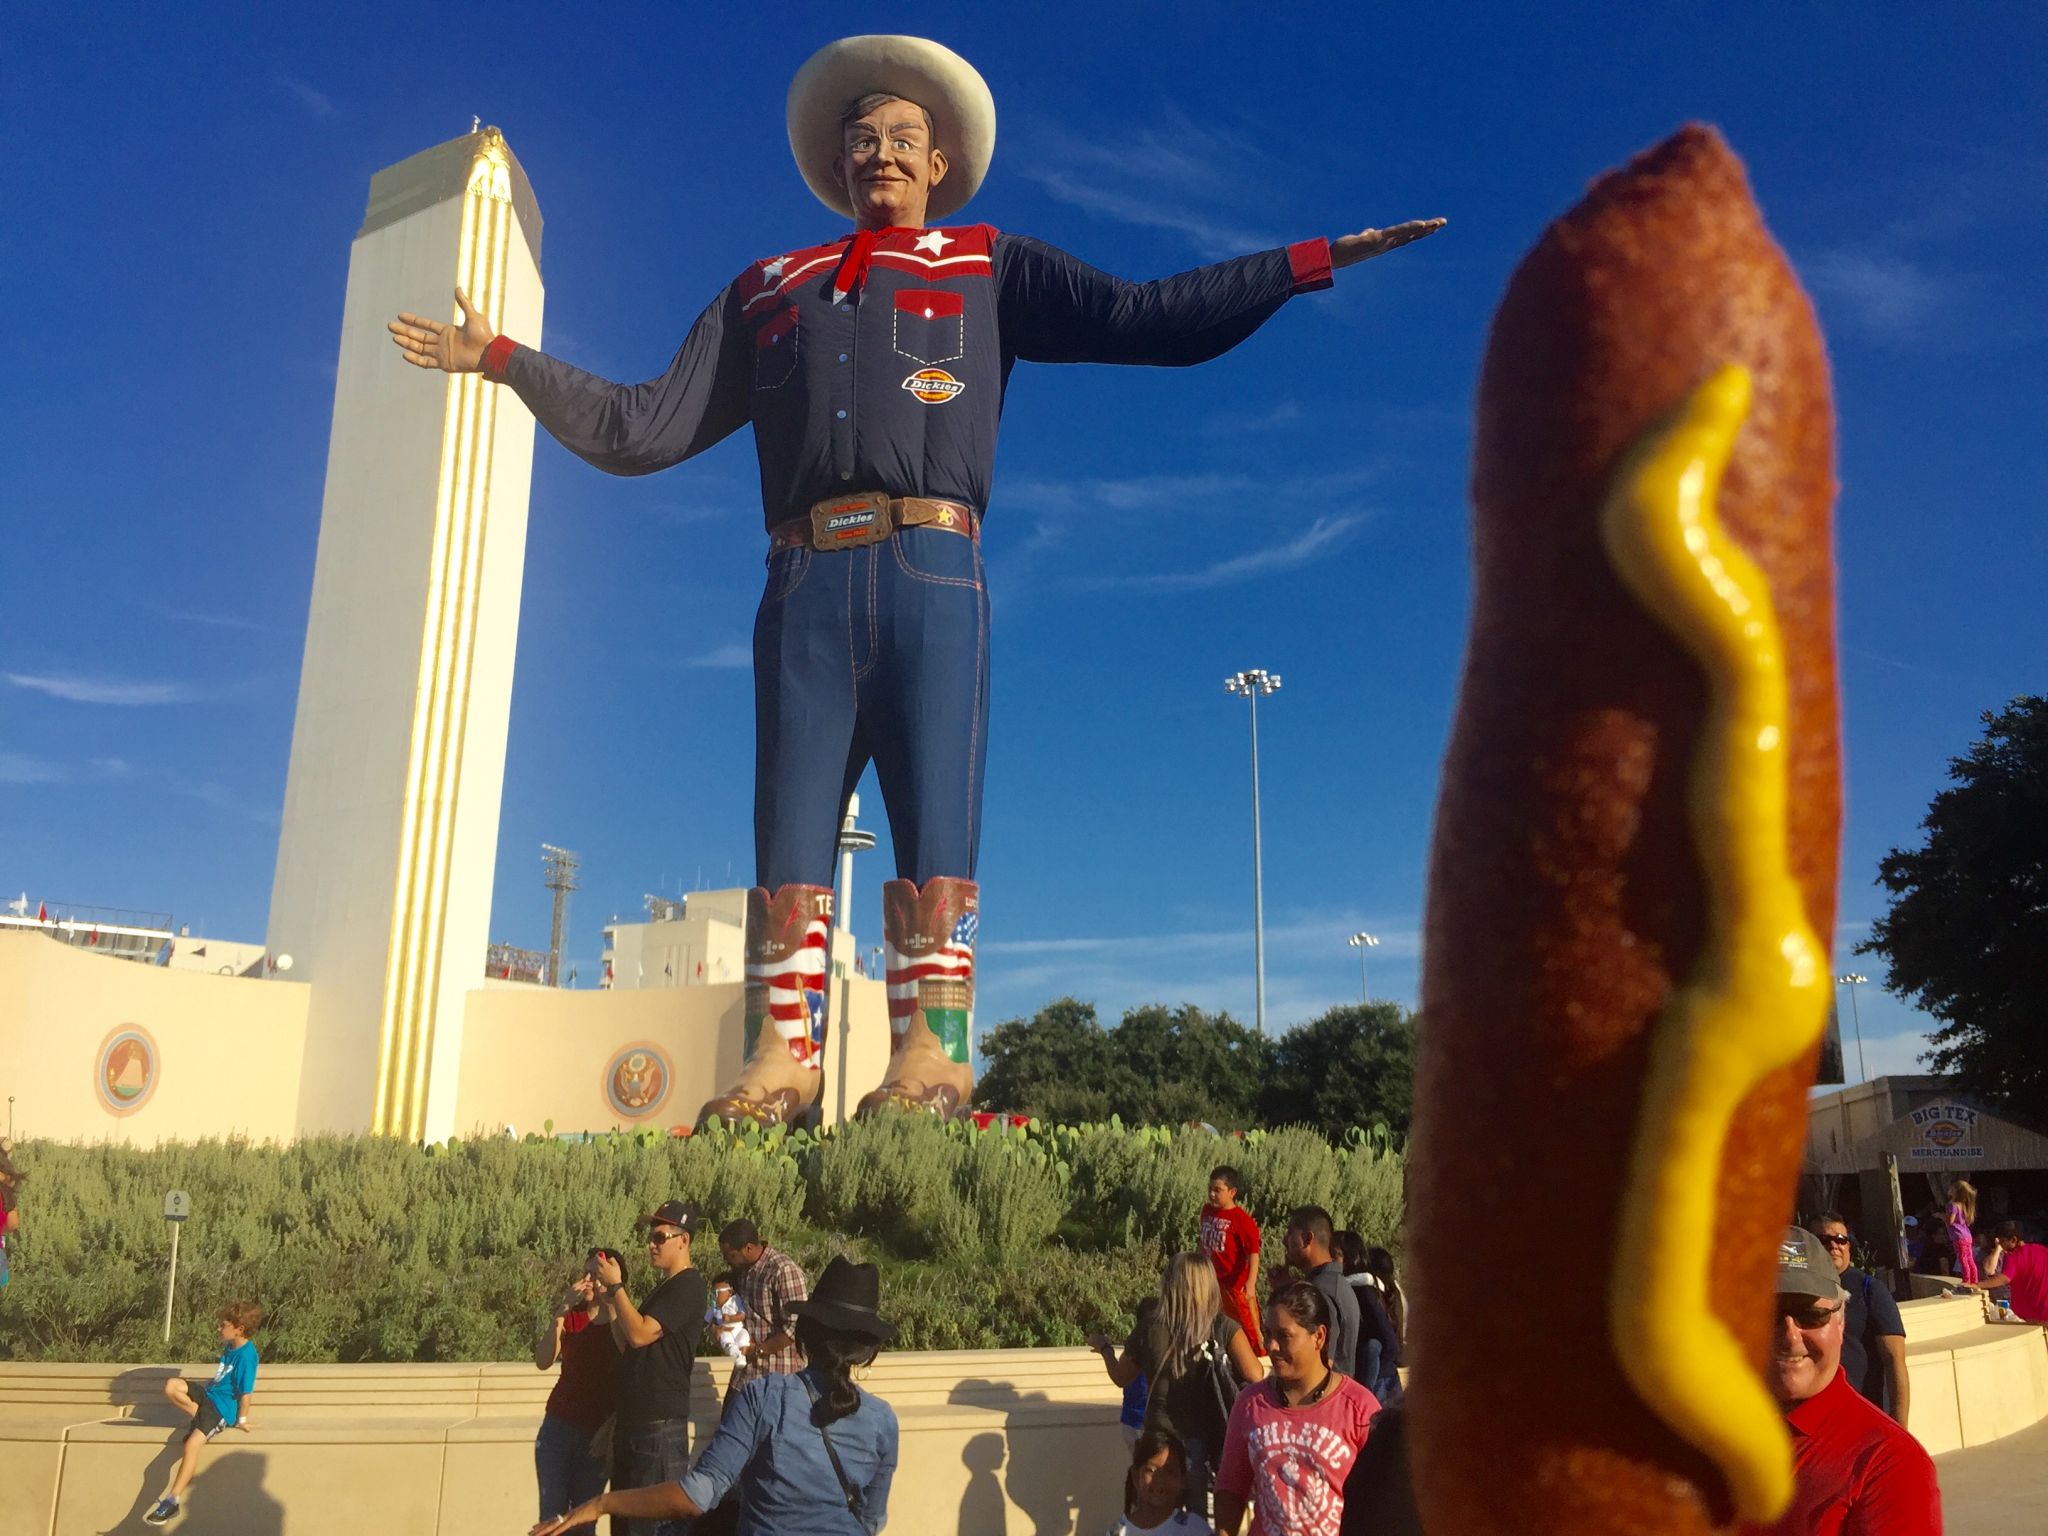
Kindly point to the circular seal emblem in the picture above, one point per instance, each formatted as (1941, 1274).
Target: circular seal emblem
(1943, 1133)
(125, 1073)
(934, 386)
(637, 1079)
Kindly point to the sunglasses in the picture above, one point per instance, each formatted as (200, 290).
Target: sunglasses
(1807, 1314)
(1835, 1239)
(656, 1239)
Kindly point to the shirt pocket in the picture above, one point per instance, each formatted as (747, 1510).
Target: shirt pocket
(929, 325)
(776, 340)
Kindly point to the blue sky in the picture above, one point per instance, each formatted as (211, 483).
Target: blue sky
(181, 186)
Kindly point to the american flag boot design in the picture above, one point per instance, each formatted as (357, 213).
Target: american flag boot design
(785, 1008)
(928, 938)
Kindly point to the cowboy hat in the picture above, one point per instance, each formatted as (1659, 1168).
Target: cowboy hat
(914, 69)
(845, 1299)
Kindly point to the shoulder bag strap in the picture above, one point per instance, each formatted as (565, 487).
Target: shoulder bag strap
(853, 1498)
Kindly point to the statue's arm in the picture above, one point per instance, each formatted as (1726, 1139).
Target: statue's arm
(634, 429)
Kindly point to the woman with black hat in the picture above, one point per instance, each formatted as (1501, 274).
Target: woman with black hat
(812, 1453)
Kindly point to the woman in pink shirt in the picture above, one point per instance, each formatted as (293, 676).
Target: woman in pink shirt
(2023, 1268)
(1292, 1437)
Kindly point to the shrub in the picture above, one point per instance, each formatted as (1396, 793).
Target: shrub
(1144, 1186)
(1011, 1196)
(892, 1178)
(370, 1249)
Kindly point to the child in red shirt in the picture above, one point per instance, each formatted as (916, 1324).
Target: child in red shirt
(1231, 1239)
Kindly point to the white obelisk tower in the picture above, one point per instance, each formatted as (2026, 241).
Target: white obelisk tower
(389, 842)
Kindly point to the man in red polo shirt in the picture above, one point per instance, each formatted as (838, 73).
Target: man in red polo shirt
(2022, 1266)
(1856, 1472)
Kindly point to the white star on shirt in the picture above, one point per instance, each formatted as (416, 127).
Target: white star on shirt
(935, 242)
(773, 269)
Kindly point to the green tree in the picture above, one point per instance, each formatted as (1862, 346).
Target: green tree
(1354, 1066)
(1967, 934)
(1055, 1065)
(1181, 1064)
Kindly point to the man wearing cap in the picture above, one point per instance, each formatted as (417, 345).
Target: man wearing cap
(1854, 1469)
(872, 367)
(657, 1340)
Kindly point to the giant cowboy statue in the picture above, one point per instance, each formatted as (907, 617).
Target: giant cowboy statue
(872, 367)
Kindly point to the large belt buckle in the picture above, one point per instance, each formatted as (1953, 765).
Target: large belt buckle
(847, 522)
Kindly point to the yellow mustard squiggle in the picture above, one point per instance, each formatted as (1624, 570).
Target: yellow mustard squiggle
(1756, 1000)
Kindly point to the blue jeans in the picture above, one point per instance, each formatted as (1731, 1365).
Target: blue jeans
(562, 1464)
(872, 654)
(646, 1454)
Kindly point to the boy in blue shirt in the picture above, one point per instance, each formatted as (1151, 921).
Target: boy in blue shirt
(223, 1403)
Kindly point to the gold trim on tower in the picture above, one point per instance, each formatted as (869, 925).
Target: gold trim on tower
(412, 979)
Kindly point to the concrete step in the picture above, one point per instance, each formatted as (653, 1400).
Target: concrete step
(1938, 1317)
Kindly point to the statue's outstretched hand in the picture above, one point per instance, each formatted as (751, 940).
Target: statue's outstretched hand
(429, 343)
(1347, 250)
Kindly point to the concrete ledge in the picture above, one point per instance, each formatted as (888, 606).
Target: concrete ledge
(1976, 1386)
(1940, 1317)
(993, 1441)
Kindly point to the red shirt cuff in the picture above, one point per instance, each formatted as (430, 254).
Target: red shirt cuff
(499, 352)
(1310, 261)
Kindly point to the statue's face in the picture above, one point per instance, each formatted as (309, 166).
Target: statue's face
(889, 165)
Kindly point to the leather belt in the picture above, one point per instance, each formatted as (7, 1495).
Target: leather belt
(848, 522)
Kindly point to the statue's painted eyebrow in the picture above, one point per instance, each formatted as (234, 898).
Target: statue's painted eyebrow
(893, 128)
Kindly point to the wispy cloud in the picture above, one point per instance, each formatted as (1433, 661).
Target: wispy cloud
(1138, 493)
(1154, 175)
(1886, 297)
(222, 798)
(1264, 421)
(1212, 237)
(18, 768)
(1325, 533)
(1308, 969)
(209, 620)
(317, 103)
(724, 658)
(98, 690)
(1892, 661)
(1397, 941)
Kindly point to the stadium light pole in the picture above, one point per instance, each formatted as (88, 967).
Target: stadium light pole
(1852, 981)
(1362, 942)
(1250, 685)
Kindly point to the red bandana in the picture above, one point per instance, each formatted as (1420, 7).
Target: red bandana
(853, 266)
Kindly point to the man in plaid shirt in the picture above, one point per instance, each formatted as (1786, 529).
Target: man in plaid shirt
(769, 1280)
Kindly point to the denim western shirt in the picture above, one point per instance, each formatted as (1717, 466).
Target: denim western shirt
(896, 384)
(769, 1446)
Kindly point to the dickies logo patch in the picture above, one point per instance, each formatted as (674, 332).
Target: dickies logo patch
(934, 386)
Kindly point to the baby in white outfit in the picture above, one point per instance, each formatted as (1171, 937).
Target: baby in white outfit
(728, 1319)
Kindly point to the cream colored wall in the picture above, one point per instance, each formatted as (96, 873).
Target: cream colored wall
(535, 1054)
(228, 1048)
(231, 1051)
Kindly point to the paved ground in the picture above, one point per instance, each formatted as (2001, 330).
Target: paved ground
(2002, 1486)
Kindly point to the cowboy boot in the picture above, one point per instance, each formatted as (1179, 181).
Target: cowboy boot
(785, 1008)
(929, 937)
